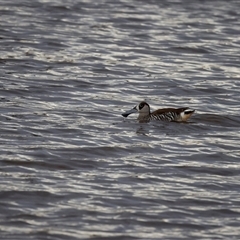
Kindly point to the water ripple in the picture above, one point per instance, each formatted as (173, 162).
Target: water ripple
(72, 167)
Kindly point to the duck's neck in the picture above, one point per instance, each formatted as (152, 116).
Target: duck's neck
(144, 116)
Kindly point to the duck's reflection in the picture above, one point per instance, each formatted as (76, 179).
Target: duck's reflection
(142, 130)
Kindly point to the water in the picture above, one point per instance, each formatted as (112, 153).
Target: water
(71, 167)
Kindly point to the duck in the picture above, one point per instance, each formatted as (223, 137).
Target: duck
(164, 114)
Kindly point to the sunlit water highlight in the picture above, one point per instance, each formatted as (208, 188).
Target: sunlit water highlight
(71, 167)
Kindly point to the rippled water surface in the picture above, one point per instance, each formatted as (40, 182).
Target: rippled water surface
(72, 167)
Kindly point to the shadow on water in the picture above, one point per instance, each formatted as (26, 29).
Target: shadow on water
(217, 120)
(200, 122)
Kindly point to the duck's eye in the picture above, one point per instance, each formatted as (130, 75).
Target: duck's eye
(141, 105)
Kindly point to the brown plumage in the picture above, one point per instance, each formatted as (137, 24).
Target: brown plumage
(165, 114)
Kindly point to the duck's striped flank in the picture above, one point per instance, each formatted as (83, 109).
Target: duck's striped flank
(165, 114)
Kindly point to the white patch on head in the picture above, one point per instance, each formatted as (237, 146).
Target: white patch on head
(145, 109)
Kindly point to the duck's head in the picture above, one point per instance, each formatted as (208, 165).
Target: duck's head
(142, 108)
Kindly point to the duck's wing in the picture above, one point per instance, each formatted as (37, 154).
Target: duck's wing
(172, 114)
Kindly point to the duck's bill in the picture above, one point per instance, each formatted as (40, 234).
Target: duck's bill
(134, 110)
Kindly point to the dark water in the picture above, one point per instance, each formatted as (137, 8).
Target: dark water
(71, 167)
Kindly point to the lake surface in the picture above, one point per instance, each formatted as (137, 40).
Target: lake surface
(71, 167)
